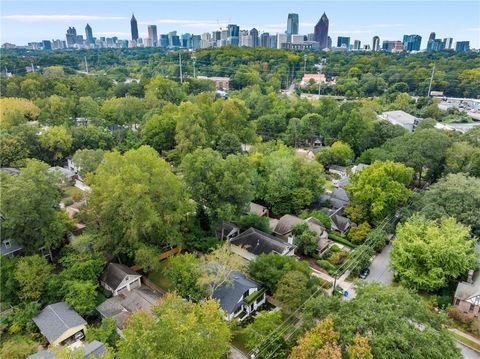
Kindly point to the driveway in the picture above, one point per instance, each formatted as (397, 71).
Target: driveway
(379, 269)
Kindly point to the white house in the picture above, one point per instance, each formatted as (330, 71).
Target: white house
(118, 278)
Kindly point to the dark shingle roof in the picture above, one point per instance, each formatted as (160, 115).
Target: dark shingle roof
(14, 247)
(286, 223)
(229, 295)
(114, 274)
(258, 242)
(56, 319)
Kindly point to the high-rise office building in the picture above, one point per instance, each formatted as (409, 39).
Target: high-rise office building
(435, 45)
(329, 42)
(152, 35)
(448, 43)
(173, 39)
(311, 37)
(321, 32)
(292, 26)
(376, 43)
(187, 40)
(273, 41)
(281, 39)
(388, 45)
(254, 37)
(47, 44)
(462, 46)
(265, 39)
(89, 35)
(343, 41)
(134, 28)
(163, 41)
(432, 36)
(412, 42)
(357, 44)
(71, 36)
(196, 41)
(233, 35)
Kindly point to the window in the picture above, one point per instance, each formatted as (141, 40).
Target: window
(472, 307)
(457, 301)
(7, 244)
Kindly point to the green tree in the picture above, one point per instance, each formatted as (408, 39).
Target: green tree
(55, 110)
(29, 205)
(88, 160)
(146, 256)
(106, 332)
(184, 271)
(228, 144)
(123, 111)
(269, 269)
(87, 107)
(191, 129)
(305, 240)
(136, 199)
(56, 142)
(359, 233)
(91, 137)
(381, 187)
(224, 187)
(32, 273)
(81, 295)
(159, 130)
(457, 196)
(178, 329)
(255, 221)
(360, 259)
(339, 153)
(292, 290)
(462, 157)
(18, 347)
(160, 90)
(427, 254)
(15, 111)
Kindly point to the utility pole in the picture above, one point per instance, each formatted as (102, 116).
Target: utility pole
(194, 59)
(33, 68)
(180, 61)
(304, 64)
(86, 65)
(431, 80)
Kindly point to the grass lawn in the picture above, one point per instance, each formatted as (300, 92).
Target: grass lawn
(466, 341)
(238, 341)
(159, 277)
(71, 191)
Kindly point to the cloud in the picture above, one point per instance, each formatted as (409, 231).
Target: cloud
(42, 18)
(203, 24)
(473, 29)
(350, 32)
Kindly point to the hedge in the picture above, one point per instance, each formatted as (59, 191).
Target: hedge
(336, 238)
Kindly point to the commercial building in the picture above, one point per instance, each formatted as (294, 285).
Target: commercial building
(281, 39)
(357, 45)
(376, 43)
(152, 35)
(412, 42)
(254, 37)
(292, 26)
(462, 46)
(233, 35)
(448, 43)
(134, 28)
(321, 32)
(343, 41)
(89, 35)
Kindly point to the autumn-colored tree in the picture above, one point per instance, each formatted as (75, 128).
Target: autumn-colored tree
(359, 349)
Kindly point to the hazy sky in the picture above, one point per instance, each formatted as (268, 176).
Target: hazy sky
(25, 21)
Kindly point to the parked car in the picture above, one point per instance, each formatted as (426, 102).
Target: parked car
(364, 273)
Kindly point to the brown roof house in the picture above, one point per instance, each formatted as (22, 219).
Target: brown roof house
(467, 295)
(258, 209)
(284, 228)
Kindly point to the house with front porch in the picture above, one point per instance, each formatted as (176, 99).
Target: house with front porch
(119, 278)
(240, 297)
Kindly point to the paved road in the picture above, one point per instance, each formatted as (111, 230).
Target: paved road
(379, 269)
(467, 353)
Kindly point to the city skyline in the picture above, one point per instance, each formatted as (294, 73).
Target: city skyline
(19, 19)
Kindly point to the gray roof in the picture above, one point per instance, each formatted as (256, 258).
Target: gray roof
(258, 209)
(14, 247)
(337, 168)
(228, 229)
(94, 348)
(286, 223)
(230, 294)
(63, 171)
(10, 170)
(122, 305)
(338, 197)
(341, 223)
(114, 274)
(258, 242)
(401, 118)
(56, 319)
(466, 291)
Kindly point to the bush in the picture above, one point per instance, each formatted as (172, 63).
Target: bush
(459, 317)
(68, 202)
(338, 257)
(336, 238)
(326, 265)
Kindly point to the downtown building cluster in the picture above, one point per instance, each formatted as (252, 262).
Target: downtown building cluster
(232, 35)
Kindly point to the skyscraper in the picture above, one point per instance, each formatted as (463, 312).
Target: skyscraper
(412, 42)
(281, 39)
(375, 43)
(292, 26)
(254, 36)
(134, 28)
(233, 34)
(47, 44)
(343, 41)
(152, 35)
(71, 36)
(432, 36)
(448, 43)
(435, 45)
(462, 46)
(265, 39)
(321, 31)
(357, 44)
(329, 42)
(89, 35)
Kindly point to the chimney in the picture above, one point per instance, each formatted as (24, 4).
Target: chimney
(470, 276)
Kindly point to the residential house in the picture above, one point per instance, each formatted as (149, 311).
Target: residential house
(341, 182)
(60, 324)
(10, 170)
(400, 118)
(121, 306)
(221, 83)
(254, 242)
(316, 226)
(241, 297)
(338, 170)
(68, 176)
(338, 198)
(10, 248)
(94, 349)
(258, 209)
(307, 155)
(118, 278)
(358, 168)
(467, 295)
(340, 223)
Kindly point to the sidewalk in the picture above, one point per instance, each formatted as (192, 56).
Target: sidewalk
(466, 336)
